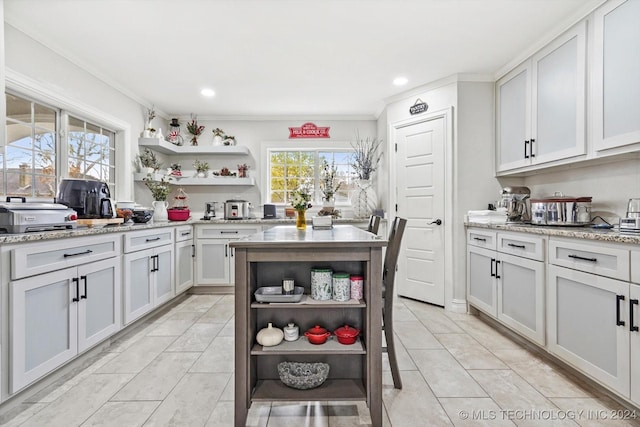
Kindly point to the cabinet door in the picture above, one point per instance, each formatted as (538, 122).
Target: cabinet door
(43, 326)
(521, 296)
(558, 99)
(616, 74)
(481, 279)
(634, 314)
(138, 297)
(585, 314)
(99, 306)
(212, 261)
(514, 118)
(163, 280)
(184, 253)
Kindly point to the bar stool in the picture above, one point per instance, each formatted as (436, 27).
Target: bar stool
(374, 224)
(388, 281)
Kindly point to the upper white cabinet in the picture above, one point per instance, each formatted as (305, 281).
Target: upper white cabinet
(541, 105)
(616, 75)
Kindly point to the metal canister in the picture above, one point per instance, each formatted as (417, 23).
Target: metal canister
(357, 287)
(341, 287)
(321, 283)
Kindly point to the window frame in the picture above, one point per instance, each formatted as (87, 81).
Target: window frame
(299, 145)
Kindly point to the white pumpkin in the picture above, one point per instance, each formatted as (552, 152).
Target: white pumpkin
(270, 336)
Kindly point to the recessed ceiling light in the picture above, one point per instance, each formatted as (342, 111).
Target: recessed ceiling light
(207, 92)
(400, 81)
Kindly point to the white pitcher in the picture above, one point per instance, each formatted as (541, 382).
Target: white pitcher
(160, 211)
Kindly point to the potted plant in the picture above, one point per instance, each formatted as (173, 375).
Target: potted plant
(328, 184)
(159, 191)
(229, 140)
(176, 169)
(148, 161)
(202, 168)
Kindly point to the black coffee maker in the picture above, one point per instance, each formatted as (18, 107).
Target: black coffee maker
(91, 199)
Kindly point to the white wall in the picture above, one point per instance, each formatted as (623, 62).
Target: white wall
(252, 134)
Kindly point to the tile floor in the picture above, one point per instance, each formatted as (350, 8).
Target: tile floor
(177, 370)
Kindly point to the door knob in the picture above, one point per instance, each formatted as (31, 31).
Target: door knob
(436, 222)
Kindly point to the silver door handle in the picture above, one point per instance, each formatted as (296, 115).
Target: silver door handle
(436, 222)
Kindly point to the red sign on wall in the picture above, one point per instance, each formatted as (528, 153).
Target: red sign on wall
(309, 130)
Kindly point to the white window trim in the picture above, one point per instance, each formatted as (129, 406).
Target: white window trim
(294, 145)
(32, 88)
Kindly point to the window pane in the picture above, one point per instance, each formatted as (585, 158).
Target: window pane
(91, 128)
(45, 186)
(45, 117)
(19, 135)
(18, 108)
(18, 159)
(76, 125)
(18, 183)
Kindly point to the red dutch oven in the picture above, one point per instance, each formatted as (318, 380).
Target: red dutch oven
(346, 334)
(317, 335)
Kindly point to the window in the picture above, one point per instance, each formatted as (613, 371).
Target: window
(290, 168)
(35, 158)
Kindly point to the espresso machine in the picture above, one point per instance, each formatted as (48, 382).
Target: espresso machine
(517, 201)
(209, 210)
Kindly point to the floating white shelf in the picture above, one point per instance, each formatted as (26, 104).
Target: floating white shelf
(210, 180)
(162, 146)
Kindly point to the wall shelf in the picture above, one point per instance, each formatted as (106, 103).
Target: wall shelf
(162, 146)
(210, 180)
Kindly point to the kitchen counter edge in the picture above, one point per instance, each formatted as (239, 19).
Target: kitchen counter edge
(86, 231)
(586, 233)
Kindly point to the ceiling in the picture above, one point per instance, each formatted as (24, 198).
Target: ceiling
(287, 57)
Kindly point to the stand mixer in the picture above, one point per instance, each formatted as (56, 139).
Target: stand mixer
(516, 201)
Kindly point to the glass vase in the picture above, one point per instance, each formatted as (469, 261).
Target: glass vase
(301, 219)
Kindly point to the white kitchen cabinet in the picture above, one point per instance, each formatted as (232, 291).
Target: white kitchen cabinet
(541, 105)
(214, 258)
(185, 254)
(149, 269)
(57, 315)
(634, 343)
(616, 75)
(587, 319)
(505, 278)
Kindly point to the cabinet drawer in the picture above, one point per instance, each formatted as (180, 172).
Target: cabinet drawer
(226, 232)
(517, 244)
(482, 238)
(138, 240)
(635, 266)
(596, 258)
(183, 233)
(43, 257)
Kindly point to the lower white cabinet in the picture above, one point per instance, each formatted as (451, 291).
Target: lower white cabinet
(148, 280)
(185, 256)
(57, 315)
(509, 288)
(215, 263)
(634, 330)
(588, 325)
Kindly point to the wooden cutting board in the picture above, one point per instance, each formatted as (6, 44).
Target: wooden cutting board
(99, 222)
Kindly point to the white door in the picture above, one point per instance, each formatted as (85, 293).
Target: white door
(420, 199)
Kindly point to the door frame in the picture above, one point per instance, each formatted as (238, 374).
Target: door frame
(449, 191)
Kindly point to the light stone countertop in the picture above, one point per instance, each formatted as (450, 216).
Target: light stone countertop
(587, 233)
(86, 231)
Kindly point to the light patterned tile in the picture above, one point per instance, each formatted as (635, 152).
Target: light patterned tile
(170, 328)
(17, 415)
(478, 411)
(136, 357)
(405, 363)
(469, 352)
(119, 414)
(196, 338)
(491, 338)
(433, 318)
(414, 335)
(219, 313)
(218, 357)
(595, 412)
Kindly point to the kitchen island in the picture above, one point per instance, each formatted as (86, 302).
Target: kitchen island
(264, 259)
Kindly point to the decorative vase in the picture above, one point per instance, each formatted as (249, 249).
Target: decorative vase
(363, 199)
(329, 203)
(269, 336)
(217, 140)
(160, 211)
(301, 220)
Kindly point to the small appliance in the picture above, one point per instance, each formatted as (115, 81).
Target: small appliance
(91, 199)
(517, 202)
(630, 225)
(209, 210)
(236, 209)
(269, 211)
(561, 210)
(25, 217)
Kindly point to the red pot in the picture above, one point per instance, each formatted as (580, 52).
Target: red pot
(346, 334)
(317, 335)
(178, 214)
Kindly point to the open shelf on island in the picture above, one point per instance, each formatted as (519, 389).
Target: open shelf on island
(303, 346)
(162, 146)
(307, 302)
(346, 389)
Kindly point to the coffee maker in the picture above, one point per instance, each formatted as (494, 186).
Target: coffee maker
(517, 201)
(209, 210)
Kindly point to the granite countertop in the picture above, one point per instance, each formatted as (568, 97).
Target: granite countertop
(131, 226)
(587, 233)
(342, 235)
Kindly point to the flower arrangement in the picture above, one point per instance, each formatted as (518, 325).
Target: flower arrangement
(218, 132)
(148, 159)
(229, 140)
(176, 169)
(366, 156)
(194, 130)
(242, 170)
(159, 189)
(327, 180)
(201, 167)
(301, 198)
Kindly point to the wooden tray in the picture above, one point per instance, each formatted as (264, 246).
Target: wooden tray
(99, 222)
